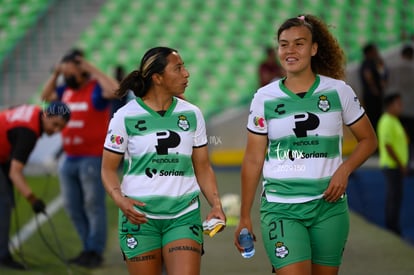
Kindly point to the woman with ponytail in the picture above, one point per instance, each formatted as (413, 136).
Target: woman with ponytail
(163, 141)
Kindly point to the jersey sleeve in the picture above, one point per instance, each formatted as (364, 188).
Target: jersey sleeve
(200, 135)
(352, 109)
(60, 90)
(256, 120)
(23, 141)
(99, 102)
(116, 137)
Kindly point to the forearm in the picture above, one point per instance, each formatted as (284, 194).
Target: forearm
(361, 153)
(49, 90)
(20, 183)
(111, 183)
(251, 171)
(366, 145)
(250, 177)
(109, 84)
(209, 188)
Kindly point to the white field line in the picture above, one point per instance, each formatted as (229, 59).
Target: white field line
(31, 227)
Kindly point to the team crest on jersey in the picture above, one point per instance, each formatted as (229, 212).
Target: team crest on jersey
(323, 103)
(183, 123)
(259, 122)
(131, 241)
(281, 250)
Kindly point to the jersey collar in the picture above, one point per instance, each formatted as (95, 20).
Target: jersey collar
(293, 95)
(155, 113)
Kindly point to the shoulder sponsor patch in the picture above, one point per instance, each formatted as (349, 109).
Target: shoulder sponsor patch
(259, 122)
(118, 140)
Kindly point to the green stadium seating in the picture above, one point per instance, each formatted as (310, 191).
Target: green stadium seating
(222, 42)
(16, 18)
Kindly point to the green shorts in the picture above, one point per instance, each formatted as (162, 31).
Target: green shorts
(316, 230)
(138, 239)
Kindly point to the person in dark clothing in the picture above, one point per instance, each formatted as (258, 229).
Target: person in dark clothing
(401, 72)
(87, 91)
(393, 159)
(373, 75)
(269, 69)
(20, 128)
(118, 102)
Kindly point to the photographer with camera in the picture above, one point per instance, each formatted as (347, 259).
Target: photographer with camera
(87, 91)
(20, 128)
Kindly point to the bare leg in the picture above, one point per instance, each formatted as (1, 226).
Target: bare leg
(300, 268)
(149, 263)
(306, 268)
(324, 270)
(182, 257)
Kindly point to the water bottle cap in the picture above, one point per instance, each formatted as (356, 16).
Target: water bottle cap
(244, 231)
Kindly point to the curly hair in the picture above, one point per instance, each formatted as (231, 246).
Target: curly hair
(330, 58)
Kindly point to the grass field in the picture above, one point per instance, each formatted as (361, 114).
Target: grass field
(54, 241)
(370, 249)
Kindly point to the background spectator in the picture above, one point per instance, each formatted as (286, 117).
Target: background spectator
(117, 103)
(20, 128)
(87, 91)
(373, 76)
(393, 159)
(401, 78)
(269, 68)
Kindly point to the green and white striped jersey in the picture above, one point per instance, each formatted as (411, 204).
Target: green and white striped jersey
(304, 136)
(157, 148)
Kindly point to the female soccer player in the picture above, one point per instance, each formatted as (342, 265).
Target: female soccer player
(295, 140)
(164, 143)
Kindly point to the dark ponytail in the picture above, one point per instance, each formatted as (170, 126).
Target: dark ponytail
(140, 81)
(134, 82)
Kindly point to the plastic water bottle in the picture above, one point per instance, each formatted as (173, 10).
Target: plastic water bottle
(246, 241)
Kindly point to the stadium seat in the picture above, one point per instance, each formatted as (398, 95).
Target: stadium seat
(222, 41)
(16, 18)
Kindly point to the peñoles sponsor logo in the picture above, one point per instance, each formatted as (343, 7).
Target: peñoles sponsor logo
(165, 160)
(305, 142)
